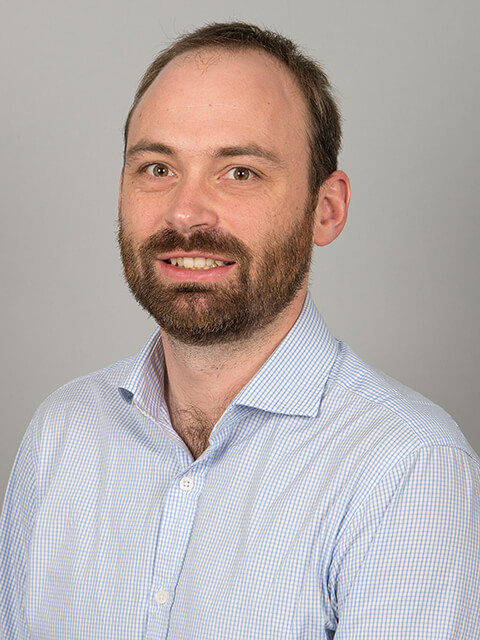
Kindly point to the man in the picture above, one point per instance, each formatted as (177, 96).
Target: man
(246, 476)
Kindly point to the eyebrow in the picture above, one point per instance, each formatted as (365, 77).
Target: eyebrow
(248, 150)
(145, 146)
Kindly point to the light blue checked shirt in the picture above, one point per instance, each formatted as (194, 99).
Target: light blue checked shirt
(331, 502)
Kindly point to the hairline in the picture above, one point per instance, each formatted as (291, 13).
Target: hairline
(322, 118)
(229, 47)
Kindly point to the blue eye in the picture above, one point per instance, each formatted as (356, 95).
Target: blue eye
(240, 173)
(158, 170)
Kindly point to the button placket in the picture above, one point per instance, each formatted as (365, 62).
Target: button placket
(179, 510)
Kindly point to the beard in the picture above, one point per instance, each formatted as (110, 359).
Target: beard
(214, 313)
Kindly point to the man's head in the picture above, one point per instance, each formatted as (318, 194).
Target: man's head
(218, 167)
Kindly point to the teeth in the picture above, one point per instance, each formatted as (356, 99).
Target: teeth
(196, 263)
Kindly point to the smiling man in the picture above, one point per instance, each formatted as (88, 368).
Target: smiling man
(246, 476)
(217, 221)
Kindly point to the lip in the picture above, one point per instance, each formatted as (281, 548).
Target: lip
(180, 274)
(192, 254)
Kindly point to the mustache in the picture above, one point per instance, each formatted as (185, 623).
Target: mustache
(209, 241)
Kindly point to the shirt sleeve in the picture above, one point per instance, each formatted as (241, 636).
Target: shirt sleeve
(410, 562)
(15, 531)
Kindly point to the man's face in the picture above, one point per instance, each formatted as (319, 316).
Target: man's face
(215, 233)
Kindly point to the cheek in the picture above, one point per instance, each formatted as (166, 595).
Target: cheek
(140, 213)
(280, 217)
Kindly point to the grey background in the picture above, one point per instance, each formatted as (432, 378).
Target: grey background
(401, 283)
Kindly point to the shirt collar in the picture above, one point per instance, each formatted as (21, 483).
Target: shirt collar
(291, 381)
(144, 382)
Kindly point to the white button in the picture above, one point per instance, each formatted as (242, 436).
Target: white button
(161, 597)
(186, 484)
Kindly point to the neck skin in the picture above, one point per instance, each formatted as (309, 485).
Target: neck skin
(201, 381)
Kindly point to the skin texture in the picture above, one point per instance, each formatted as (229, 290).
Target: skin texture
(217, 149)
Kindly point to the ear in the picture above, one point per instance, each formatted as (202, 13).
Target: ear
(120, 192)
(332, 208)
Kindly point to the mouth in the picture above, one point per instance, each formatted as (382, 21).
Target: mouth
(196, 263)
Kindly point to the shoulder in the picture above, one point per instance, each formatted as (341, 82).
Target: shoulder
(74, 424)
(109, 377)
(392, 407)
(378, 430)
(104, 382)
(78, 403)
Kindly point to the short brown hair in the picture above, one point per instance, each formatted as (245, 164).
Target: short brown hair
(325, 126)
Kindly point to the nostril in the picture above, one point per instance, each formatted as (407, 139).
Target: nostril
(191, 213)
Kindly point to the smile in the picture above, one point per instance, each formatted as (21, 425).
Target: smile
(198, 262)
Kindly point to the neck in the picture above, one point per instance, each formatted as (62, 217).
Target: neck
(201, 381)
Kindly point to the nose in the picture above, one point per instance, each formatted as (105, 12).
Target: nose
(193, 207)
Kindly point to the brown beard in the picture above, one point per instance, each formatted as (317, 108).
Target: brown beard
(204, 313)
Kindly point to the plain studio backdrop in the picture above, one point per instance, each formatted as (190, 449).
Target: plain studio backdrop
(400, 285)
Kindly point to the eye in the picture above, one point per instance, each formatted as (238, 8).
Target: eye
(158, 170)
(240, 173)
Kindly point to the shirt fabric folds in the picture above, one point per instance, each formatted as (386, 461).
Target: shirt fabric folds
(332, 502)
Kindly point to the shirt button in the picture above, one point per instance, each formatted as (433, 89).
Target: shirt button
(161, 597)
(186, 484)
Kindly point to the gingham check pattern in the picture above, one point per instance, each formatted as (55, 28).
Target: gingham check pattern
(332, 503)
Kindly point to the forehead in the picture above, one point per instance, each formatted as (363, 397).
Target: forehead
(240, 93)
